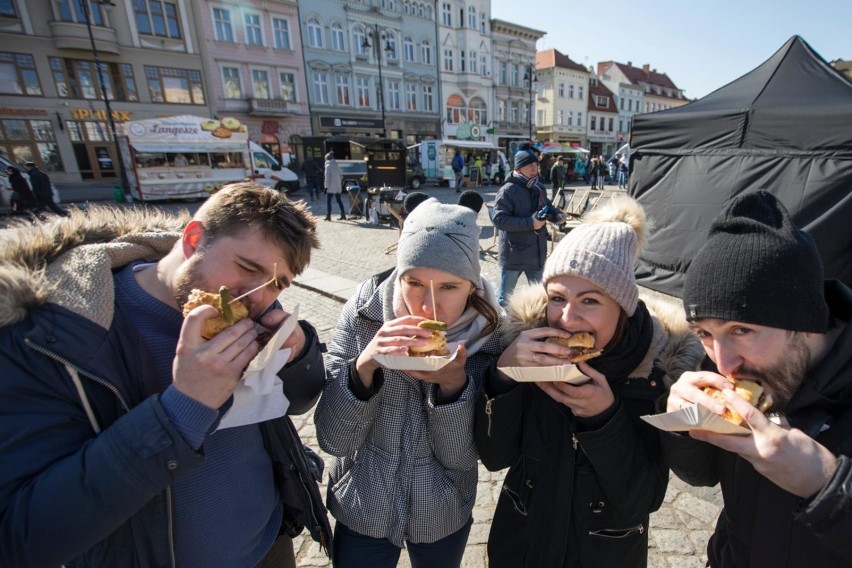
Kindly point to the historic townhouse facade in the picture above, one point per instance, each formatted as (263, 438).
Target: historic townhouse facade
(52, 109)
(515, 93)
(464, 60)
(563, 89)
(658, 91)
(372, 68)
(252, 52)
(603, 119)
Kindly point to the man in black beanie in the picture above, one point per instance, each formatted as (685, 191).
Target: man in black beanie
(755, 296)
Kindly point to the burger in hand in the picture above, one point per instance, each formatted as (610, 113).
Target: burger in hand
(581, 345)
(749, 391)
(436, 345)
(230, 312)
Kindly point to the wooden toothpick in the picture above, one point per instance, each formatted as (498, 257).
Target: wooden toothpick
(434, 305)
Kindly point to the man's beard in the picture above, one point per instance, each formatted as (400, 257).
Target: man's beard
(786, 376)
(189, 278)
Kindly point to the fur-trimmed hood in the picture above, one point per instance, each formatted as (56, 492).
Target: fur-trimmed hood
(70, 261)
(673, 344)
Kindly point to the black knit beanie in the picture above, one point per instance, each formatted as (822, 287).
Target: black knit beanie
(757, 267)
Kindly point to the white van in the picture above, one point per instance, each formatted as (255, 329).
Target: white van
(266, 170)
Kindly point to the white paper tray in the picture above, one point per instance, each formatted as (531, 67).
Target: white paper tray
(694, 417)
(560, 373)
(406, 363)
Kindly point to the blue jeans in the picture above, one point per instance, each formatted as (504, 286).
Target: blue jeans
(622, 178)
(355, 550)
(509, 279)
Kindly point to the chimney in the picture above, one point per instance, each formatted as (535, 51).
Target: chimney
(630, 64)
(646, 68)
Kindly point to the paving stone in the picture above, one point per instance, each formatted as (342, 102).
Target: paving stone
(669, 540)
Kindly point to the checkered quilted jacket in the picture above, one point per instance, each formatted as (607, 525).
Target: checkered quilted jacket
(405, 468)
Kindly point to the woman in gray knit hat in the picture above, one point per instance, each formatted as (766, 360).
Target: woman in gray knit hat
(585, 472)
(405, 471)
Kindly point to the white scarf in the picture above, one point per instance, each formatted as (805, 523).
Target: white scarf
(465, 329)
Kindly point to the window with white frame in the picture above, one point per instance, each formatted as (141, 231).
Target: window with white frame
(320, 81)
(501, 110)
(514, 112)
(429, 14)
(462, 61)
(455, 109)
(483, 65)
(342, 83)
(561, 90)
(620, 125)
(501, 73)
(390, 48)
(337, 37)
(362, 85)
(69, 11)
(477, 112)
(482, 20)
(393, 95)
(448, 59)
(281, 33)
(580, 92)
(593, 121)
(288, 86)
(516, 75)
(471, 17)
(410, 96)
(222, 29)
(260, 83)
(580, 119)
(570, 91)
(314, 32)
(610, 125)
(570, 118)
(254, 35)
(447, 14)
(525, 113)
(560, 117)
(473, 57)
(600, 101)
(231, 82)
(408, 49)
(407, 8)
(359, 38)
(428, 98)
(426, 53)
(539, 116)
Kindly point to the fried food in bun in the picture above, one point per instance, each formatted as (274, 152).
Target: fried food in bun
(582, 346)
(229, 312)
(436, 345)
(750, 391)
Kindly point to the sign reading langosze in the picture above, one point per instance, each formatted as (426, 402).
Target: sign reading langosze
(339, 122)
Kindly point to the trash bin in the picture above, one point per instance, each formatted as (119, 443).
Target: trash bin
(118, 194)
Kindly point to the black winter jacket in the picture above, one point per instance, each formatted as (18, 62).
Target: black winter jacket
(577, 495)
(520, 247)
(761, 524)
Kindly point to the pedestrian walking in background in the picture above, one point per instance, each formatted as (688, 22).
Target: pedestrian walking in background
(42, 189)
(585, 472)
(23, 199)
(791, 333)
(312, 173)
(623, 169)
(405, 472)
(522, 239)
(557, 176)
(113, 404)
(333, 186)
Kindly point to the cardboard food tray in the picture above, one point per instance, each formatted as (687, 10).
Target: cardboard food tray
(694, 417)
(560, 373)
(407, 363)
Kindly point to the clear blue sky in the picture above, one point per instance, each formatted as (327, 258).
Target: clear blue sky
(700, 44)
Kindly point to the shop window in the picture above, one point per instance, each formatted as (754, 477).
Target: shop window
(18, 74)
(171, 85)
(30, 141)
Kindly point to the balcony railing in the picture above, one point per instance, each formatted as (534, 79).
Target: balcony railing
(272, 107)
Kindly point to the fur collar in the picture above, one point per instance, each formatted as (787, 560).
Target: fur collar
(70, 261)
(674, 344)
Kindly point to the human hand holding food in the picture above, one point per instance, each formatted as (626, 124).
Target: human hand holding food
(690, 387)
(788, 458)
(451, 378)
(393, 338)
(208, 370)
(586, 400)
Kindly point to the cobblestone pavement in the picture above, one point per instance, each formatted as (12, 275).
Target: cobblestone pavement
(354, 250)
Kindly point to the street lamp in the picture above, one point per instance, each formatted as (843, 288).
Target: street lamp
(107, 4)
(377, 52)
(530, 77)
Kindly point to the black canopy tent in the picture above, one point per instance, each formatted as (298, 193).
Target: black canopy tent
(785, 127)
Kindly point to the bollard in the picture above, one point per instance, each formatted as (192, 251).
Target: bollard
(118, 194)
